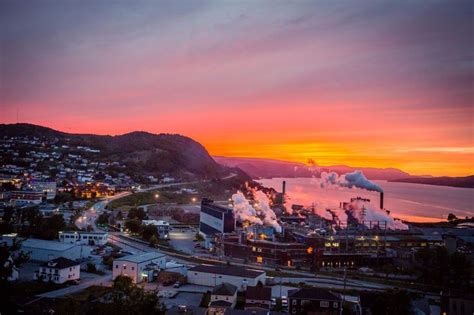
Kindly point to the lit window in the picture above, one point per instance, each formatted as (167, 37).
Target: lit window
(260, 259)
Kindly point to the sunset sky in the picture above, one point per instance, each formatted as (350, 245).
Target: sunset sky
(361, 83)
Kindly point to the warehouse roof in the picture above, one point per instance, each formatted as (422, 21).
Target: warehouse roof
(48, 245)
(139, 258)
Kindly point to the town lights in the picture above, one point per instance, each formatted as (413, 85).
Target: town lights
(193, 199)
(157, 196)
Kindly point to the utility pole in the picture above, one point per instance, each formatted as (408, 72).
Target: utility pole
(344, 292)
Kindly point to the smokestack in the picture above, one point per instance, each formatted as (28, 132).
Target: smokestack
(381, 200)
(283, 189)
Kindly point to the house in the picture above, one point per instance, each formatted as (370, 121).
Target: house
(140, 267)
(223, 296)
(42, 250)
(303, 301)
(59, 270)
(210, 275)
(258, 297)
(85, 238)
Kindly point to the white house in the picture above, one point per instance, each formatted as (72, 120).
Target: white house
(209, 275)
(59, 270)
(42, 250)
(140, 267)
(85, 238)
(223, 296)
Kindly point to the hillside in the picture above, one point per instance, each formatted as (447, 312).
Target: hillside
(267, 168)
(465, 182)
(142, 153)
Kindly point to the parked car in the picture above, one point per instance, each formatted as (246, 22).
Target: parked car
(177, 284)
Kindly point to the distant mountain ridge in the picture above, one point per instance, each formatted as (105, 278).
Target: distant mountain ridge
(464, 182)
(268, 168)
(142, 152)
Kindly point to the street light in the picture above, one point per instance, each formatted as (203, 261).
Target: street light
(157, 196)
(193, 199)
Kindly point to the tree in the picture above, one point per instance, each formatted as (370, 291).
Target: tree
(148, 231)
(452, 217)
(103, 218)
(137, 213)
(153, 241)
(134, 226)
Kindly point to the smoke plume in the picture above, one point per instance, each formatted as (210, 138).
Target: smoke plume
(269, 216)
(243, 211)
(354, 179)
(263, 215)
(365, 212)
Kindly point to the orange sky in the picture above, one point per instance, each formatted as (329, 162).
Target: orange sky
(366, 84)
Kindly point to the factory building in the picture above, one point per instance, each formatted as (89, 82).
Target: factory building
(254, 246)
(140, 267)
(211, 276)
(215, 219)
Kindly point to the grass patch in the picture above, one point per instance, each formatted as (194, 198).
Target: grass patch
(90, 293)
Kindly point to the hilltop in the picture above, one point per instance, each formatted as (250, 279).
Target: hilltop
(142, 153)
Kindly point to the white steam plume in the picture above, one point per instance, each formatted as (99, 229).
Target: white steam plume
(269, 216)
(243, 211)
(364, 211)
(350, 180)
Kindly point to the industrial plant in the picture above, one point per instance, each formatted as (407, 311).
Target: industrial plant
(259, 229)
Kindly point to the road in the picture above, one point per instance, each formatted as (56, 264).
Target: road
(89, 216)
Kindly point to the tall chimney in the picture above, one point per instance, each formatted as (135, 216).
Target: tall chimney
(283, 190)
(381, 200)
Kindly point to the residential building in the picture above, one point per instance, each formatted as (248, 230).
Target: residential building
(210, 275)
(59, 270)
(223, 296)
(314, 300)
(140, 267)
(85, 238)
(258, 297)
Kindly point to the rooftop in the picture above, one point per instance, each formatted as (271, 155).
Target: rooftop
(314, 294)
(60, 263)
(49, 245)
(228, 270)
(225, 289)
(139, 258)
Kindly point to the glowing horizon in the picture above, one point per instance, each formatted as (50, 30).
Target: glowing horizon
(372, 84)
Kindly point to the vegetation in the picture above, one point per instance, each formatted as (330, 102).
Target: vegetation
(134, 226)
(437, 267)
(123, 297)
(33, 224)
